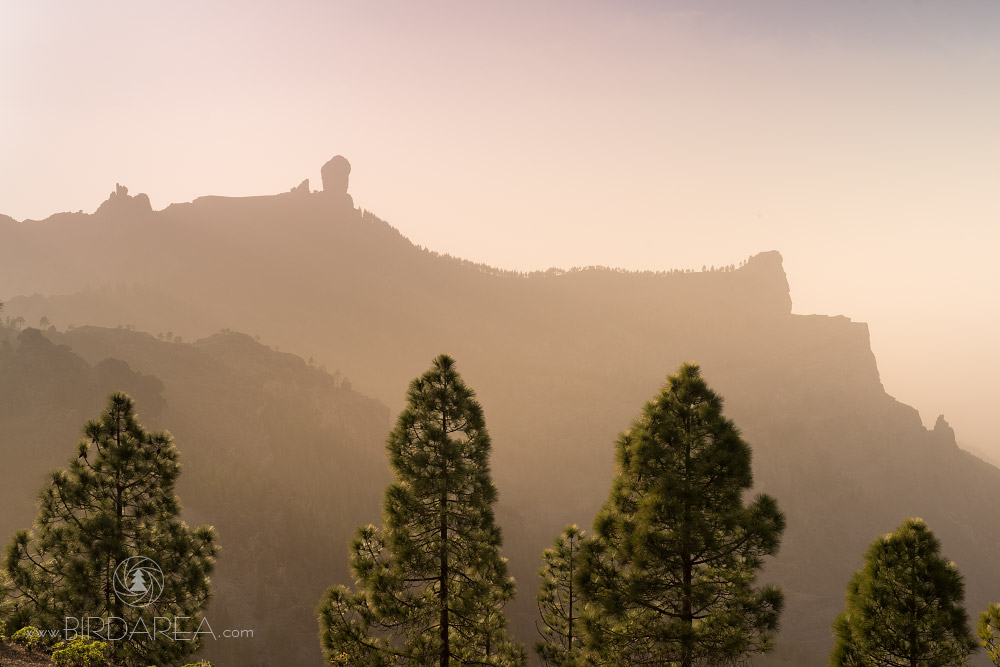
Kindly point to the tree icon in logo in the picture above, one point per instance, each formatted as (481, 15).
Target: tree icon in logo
(138, 581)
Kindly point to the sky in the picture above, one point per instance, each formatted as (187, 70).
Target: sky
(860, 139)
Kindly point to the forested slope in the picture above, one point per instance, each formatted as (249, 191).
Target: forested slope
(279, 457)
(561, 362)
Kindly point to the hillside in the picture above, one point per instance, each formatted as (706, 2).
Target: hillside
(276, 455)
(561, 360)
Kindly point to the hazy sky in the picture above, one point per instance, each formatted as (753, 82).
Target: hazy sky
(859, 138)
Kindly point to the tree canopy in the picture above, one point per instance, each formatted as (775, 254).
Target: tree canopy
(430, 585)
(670, 574)
(560, 603)
(101, 521)
(904, 606)
(989, 632)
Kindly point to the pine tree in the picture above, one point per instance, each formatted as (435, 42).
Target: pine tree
(559, 602)
(431, 584)
(669, 576)
(904, 607)
(989, 632)
(114, 502)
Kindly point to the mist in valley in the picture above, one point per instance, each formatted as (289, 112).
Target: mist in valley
(782, 251)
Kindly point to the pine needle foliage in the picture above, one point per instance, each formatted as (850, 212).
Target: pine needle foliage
(904, 606)
(989, 632)
(431, 584)
(669, 577)
(114, 501)
(560, 604)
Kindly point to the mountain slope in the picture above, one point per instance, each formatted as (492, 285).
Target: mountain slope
(278, 457)
(561, 360)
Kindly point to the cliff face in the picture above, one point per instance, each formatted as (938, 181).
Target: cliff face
(561, 361)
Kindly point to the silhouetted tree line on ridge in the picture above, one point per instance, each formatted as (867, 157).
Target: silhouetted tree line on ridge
(488, 269)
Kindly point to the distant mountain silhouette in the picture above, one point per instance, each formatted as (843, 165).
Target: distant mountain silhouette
(561, 360)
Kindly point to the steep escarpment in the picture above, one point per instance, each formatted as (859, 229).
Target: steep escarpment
(561, 361)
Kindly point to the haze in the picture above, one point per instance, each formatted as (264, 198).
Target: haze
(859, 140)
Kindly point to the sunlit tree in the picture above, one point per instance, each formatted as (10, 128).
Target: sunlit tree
(904, 606)
(989, 632)
(430, 585)
(114, 502)
(670, 574)
(559, 602)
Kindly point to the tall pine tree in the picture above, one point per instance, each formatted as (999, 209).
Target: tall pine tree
(670, 574)
(904, 607)
(430, 586)
(559, 602)
(989, 632)
(113, 502)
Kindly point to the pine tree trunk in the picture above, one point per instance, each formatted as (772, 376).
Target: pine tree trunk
(117, 610)
(443, 589)
(572, 572)
(913, 607)
(443, 592)
(687, 614)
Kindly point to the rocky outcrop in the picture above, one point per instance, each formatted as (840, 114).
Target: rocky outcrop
(336, 175)
(944, 433)
(120, 202)
(560, 360)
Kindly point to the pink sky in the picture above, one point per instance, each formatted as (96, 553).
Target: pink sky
(860, 139)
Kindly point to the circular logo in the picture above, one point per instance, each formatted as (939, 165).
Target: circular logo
(138, 581)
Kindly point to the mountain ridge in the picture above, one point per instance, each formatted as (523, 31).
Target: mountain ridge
(561, 360)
